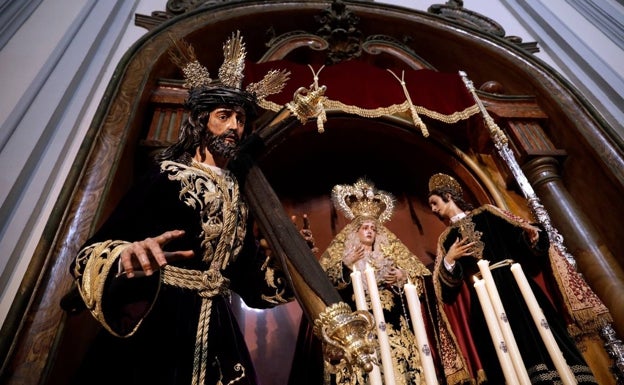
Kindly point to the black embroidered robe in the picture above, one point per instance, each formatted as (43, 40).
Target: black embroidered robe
(151, 334)
(500, 236)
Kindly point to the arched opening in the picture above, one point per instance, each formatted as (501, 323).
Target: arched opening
(304, 167)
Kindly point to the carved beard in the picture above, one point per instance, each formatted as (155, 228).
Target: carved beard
(218, 146)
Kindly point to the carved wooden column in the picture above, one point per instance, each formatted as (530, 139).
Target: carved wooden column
(539, 160)
(533, 165)
(593, 259)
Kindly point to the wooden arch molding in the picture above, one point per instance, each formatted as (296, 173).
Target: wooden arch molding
(528, 98)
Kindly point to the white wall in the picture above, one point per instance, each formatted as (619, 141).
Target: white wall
(55, 68)
(495, 10)
(54, 71)
(570, 42)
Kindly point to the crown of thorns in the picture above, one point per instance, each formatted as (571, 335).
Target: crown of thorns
(230, 74)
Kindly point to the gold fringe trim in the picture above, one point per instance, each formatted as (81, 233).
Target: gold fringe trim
(415, 118)
(453, 361)
(481, 377)
(405, 108)
(587, 311)
(396, 109)
(460, 378)
(452, 118)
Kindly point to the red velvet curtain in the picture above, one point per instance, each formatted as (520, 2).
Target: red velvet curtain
(360, 84)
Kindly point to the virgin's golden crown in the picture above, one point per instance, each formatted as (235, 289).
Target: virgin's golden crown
(362, 199)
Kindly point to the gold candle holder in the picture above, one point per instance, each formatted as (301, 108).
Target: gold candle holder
(347, 335)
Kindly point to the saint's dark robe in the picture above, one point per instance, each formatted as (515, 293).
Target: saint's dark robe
(500, 236)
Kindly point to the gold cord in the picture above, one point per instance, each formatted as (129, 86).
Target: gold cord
(211, 282)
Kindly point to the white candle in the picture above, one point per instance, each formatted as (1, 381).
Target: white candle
(426, 359)
(496, 334)
(382, 335)
(503, 323)
(360, 303)
(567, 377)
(358, 289)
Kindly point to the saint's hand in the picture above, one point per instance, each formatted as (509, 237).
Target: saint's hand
(147, 255)
(533, 234)
(459, 248)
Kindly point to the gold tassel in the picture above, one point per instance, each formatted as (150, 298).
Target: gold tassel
(415, 118)
(320, 120)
